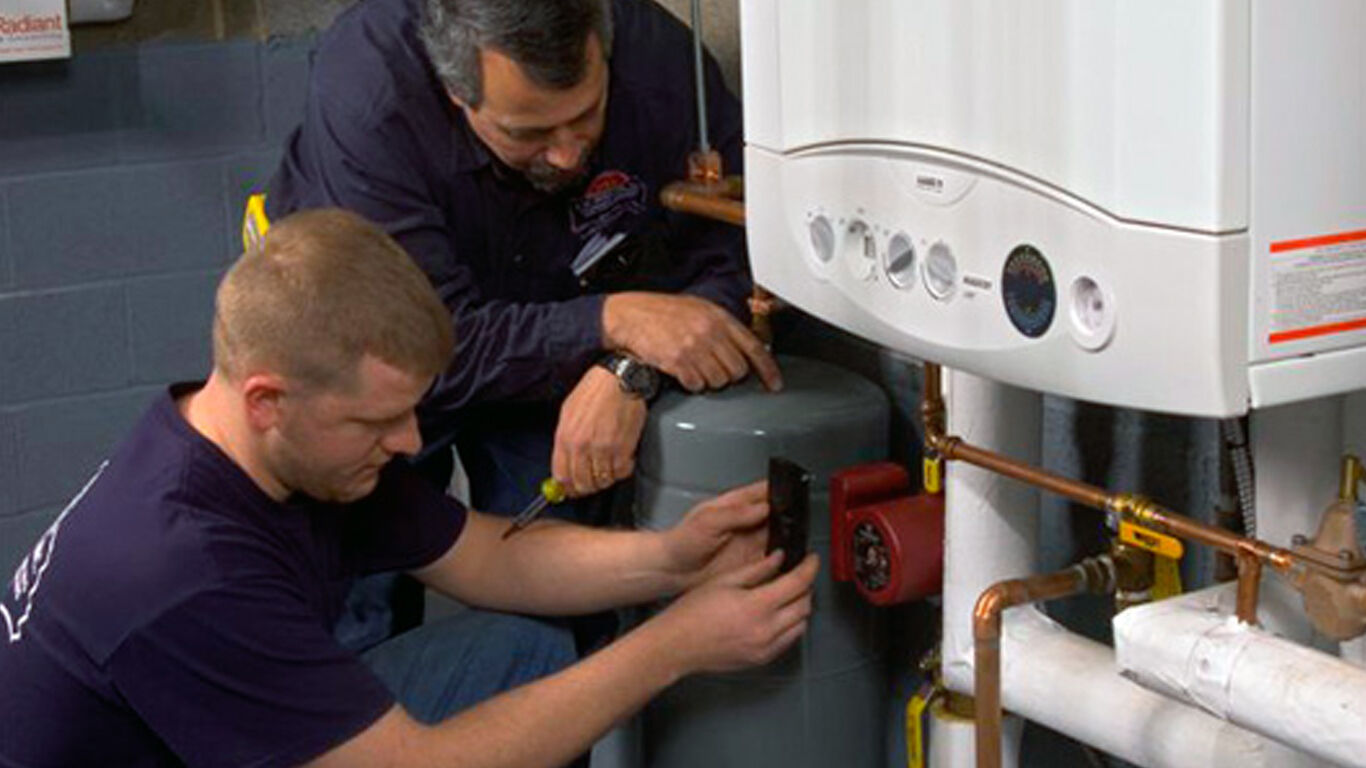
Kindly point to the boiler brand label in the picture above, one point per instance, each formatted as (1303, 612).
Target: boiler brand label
(33, 29)
(1318, 286)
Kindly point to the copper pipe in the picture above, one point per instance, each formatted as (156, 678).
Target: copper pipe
(1125, 506)
(705, 167)
(932, 407)
(1249, 584)
(762, 305)
(1153, 515)
(1093, 574)
(954, 448)
(703, 200)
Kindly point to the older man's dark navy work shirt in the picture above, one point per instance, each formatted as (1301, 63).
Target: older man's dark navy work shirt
(380, 137)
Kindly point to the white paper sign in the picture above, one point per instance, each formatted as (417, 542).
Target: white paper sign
(33, 29)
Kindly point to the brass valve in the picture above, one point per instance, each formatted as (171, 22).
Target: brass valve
(1335, 592)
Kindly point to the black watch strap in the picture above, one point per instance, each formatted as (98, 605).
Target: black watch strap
(636, 378)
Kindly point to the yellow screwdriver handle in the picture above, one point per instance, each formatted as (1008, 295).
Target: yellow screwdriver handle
(553, 490)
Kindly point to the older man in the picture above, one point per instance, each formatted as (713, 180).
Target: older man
(498, 141)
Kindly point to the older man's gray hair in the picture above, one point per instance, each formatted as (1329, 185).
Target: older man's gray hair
(547, 38)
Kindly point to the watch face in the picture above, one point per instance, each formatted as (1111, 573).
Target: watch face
(634, 376)
(640, 379)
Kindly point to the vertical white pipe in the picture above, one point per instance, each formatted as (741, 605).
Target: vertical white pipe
(991, 526)
(953, 740)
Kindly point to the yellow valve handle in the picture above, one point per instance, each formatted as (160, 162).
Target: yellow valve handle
(1166, 578)
(932, 469)
(1144, 538)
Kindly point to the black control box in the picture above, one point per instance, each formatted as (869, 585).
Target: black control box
(789, 510)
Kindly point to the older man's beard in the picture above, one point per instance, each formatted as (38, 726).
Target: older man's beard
(547, 178)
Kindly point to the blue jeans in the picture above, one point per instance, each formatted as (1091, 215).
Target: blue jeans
(445, 666)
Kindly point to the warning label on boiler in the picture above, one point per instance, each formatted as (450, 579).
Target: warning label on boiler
(1318, 286)
(33, 29)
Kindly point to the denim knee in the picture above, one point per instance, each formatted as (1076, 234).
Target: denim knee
(441, 668)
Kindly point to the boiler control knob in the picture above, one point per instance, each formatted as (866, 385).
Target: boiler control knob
(901, 260)
(941, 271)
(822, 239)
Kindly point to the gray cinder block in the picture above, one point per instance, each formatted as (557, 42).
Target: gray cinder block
(168, 351)
(116, 222)
(9, 470)
(191, 99)
(286, 63)
(6, 260)
(62, 343)
(60, 115)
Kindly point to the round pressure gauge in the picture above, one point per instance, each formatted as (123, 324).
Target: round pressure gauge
(1028, 291)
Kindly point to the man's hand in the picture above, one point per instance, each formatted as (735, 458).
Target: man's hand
(595, 440)
(740, 619)
(691, 339)
(719, 535)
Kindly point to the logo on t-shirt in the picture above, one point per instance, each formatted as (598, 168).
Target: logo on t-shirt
(18, 600)
(608, 198)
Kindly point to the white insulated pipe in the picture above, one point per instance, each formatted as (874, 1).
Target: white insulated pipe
(1193, 649)
(953, 739)
(1071, 684)
(1048, 674)
(991, 524)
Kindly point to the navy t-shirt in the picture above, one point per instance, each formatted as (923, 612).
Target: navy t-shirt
(175, 614)
(381, 138)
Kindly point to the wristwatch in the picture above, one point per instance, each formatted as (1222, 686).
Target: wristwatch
(636, 378)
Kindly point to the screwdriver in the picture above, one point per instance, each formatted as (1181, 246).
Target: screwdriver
(552, 492)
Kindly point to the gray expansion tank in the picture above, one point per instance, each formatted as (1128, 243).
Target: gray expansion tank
(824, 702)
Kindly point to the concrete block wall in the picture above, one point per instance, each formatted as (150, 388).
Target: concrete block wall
(122, 177)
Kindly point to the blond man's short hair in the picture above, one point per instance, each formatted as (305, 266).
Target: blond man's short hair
(323, 289)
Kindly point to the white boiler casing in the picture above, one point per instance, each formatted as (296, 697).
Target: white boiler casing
(1157, 204)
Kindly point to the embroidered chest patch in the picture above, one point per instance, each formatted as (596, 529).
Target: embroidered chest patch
(608, 198)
